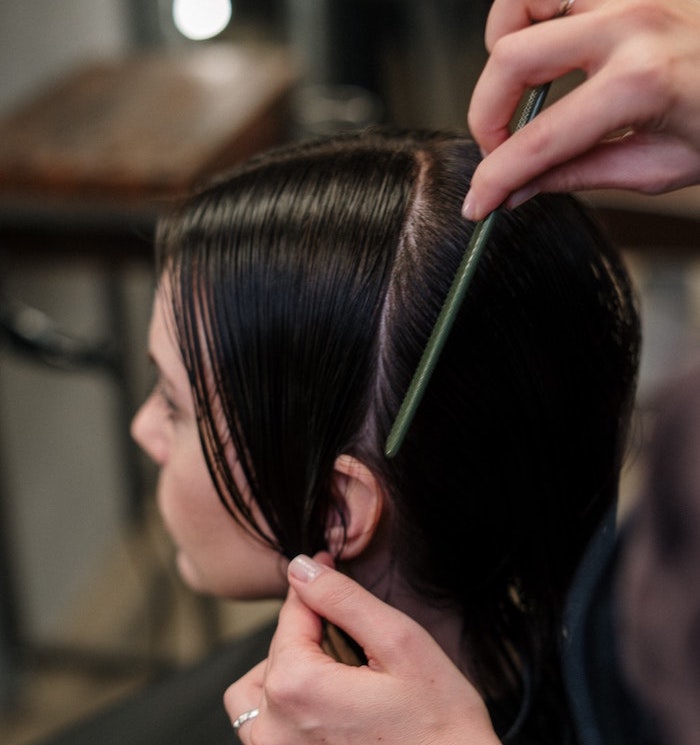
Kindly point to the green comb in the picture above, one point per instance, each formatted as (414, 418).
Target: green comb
(453, 301)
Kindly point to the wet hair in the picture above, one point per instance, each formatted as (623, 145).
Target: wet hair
(305, 285)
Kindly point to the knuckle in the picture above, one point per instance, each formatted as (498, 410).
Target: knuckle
(541, 10)
(229, 697)
(644, 80)
(645, 62)
(486, 178)
(335, 592)
(403, 642)
(645, 14)
(261, 734)
(504, 52)
(537, 151)
(282, 690)
(473, 120)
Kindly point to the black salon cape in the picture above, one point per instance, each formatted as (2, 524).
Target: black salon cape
(604, 708)
(186, 708)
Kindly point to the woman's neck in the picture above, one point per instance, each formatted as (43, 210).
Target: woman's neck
(378, 573)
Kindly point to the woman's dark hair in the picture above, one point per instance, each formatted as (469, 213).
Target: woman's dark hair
(305, 285)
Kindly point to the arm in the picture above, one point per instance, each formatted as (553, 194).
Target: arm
(410, 692)
(634, 123)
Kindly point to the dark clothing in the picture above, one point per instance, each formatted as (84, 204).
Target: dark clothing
(187, 708)
(604, 709)
(184, 709)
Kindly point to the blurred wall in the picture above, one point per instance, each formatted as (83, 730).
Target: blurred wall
(61, 475)
(40, 39)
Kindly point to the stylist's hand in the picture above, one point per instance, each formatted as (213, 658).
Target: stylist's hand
(410, 692)
(634, 123)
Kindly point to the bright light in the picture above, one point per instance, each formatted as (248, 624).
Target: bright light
(201, 19)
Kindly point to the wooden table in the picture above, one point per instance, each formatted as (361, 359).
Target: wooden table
(130, 133)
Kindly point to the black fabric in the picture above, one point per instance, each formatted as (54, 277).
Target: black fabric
(184, 709)
(605, 710)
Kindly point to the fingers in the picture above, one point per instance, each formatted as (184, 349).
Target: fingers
(640, 60)
(298, 625)
(386, 641)
(279, 686)
(512, 69)
(540, 147)
(642, 162)
(507, 16)
(305, 696)
(246, 692)
(296, 645)
(245, 695)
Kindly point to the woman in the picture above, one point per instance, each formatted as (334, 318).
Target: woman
(656, 98)
(295, 299)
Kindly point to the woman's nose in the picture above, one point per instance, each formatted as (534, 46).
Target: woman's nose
(148, 431)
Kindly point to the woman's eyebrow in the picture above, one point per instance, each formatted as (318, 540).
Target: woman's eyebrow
(153, 363)
(162, 377)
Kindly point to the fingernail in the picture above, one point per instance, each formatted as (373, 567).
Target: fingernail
(522, 195)
(304, 568)
(469, 207)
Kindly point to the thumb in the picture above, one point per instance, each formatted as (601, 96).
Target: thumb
(299, 627)
(346, 604)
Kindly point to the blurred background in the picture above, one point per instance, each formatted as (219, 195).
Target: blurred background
(108, 110)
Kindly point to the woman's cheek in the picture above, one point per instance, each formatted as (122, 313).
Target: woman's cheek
(188, 572)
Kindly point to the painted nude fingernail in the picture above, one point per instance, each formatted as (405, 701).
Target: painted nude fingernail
(304, 568)
(469, 207)
(522, 195)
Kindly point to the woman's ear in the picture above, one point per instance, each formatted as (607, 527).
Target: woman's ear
(359, 501)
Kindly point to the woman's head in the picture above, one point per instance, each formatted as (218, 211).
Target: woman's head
(303, 288)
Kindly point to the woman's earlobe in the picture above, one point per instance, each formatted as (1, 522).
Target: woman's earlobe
(359, 501)
(336, 540)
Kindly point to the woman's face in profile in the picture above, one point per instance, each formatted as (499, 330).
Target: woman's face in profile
(215, 555)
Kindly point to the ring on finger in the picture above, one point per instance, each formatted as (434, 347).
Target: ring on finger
(245, 717)
(564, 7)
